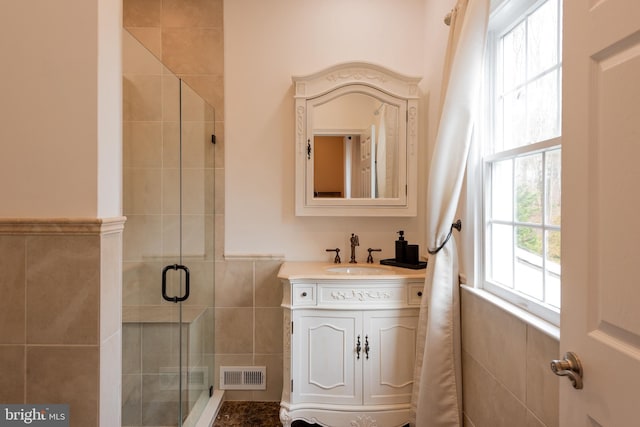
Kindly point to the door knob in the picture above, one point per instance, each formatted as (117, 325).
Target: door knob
(571, 367)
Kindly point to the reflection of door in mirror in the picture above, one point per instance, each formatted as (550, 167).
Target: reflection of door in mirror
(343, 166)
(328, 164)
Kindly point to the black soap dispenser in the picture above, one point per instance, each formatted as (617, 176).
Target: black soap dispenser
(401, 247)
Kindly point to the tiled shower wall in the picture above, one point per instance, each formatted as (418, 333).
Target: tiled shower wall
(150, 358)
(505, 362)
(248, 320)
(165, 223)
(187, 35)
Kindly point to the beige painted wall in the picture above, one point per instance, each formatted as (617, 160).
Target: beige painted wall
(265, 44)
(60, 109)
(61, 176)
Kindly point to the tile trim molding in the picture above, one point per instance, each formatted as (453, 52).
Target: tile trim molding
(61, 226)
(239, 256)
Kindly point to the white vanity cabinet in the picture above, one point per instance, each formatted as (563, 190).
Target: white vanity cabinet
(354, 357)
(349, 349)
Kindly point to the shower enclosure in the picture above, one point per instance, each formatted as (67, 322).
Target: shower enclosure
(168, 265)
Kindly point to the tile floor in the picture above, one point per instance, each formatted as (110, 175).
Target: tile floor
(251, 414)
(248, 414)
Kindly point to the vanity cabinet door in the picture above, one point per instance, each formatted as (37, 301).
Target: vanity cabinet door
(325, 364)
(391, 341)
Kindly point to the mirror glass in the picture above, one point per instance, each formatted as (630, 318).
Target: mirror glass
(355, 146)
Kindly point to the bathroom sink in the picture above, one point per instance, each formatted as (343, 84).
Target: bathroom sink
(359, 270)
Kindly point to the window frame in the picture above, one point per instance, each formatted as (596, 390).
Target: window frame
(505, 16)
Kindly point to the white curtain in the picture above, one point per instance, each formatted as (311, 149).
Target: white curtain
(455, 26)
(437, 391)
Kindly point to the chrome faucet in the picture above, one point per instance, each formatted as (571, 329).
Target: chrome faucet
(355, 241)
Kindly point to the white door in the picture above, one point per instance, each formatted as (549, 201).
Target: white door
(600, 318)
(327, 368)
(390, 349)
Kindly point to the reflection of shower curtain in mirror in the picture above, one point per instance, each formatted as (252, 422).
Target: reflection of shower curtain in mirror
(381, 154)
(392, 127)
(360, 166)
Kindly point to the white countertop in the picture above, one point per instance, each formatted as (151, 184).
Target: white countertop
(293, 270)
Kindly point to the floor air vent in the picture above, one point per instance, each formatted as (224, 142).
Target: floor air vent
(243, 378)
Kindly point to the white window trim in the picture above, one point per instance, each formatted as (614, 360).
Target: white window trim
(473, 201)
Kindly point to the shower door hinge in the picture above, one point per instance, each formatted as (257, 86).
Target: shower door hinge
(213, 138)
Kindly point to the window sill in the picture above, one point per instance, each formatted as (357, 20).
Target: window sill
(534, 321)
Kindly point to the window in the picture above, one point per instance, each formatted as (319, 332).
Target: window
(522, 156)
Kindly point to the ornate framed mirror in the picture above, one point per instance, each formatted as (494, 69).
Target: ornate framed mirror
(356, 142)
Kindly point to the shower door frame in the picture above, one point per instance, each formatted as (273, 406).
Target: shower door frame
(169, 192)
(187, 405)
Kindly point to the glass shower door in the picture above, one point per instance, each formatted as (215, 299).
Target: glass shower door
(168, 264)
(187, 276)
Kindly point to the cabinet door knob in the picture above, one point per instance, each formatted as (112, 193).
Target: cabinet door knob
(419, 293)
(304, 294)
(358, 347)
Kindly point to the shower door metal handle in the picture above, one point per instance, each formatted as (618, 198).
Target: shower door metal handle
(175, 299)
